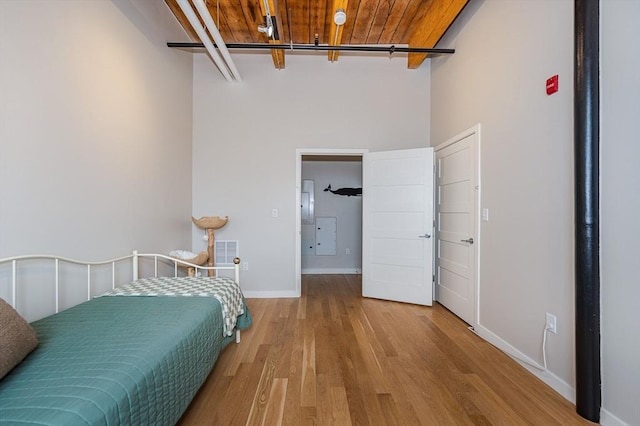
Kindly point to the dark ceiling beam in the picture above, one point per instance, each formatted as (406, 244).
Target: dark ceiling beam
(320, 47)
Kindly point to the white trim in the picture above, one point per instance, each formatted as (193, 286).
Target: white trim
(470, 131)
(270, 294)
(320, 271)
(608, 419)
(555, 382)
(193, 19)
(298, 185)
(209, 23)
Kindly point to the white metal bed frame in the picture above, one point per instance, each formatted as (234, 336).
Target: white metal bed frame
(134, 257)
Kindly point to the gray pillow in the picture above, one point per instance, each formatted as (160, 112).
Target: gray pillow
(17, 338)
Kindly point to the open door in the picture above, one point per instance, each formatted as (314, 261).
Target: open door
(457, 213)
(397, 225)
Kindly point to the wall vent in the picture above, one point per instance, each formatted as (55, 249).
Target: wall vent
(225, 251)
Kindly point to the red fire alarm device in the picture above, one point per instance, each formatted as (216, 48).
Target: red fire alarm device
(552, 85)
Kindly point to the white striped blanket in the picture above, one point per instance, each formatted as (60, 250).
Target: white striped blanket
(225, 290)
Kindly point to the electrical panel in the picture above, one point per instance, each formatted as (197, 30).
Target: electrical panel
(326, 236)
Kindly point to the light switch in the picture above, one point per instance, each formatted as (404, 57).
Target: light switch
(485, 215)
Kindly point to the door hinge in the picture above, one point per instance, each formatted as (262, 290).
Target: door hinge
(433, 278)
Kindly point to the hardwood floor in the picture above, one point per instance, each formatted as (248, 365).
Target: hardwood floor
(335, 358)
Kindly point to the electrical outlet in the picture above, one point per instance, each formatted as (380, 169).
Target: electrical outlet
(347, 251)
(551, 323)
(245, 266)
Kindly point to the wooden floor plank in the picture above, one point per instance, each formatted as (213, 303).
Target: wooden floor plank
(308, 382)
(332, 357)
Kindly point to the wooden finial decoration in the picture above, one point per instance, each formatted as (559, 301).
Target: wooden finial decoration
(210, 224)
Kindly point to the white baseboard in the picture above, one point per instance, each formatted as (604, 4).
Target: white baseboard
(553, 381)
(320, 271)
(608, 419)
(283, 294)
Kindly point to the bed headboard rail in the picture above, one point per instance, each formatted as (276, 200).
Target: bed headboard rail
(169, 263)
(181, 263)
(57, 261)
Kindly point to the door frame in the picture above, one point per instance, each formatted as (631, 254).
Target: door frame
(477, 199)
(300, 152)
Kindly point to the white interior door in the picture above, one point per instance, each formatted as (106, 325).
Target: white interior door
(397, 225)
(456, 237)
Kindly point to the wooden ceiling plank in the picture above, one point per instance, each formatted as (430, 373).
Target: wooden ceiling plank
(418, 17)
(393, 20)
(383, 11)
(335, 31)
(366, 12)
(317, 19)
(223, 27)
(352, 16)
(328, 22)
(234, 15)
(418, 23)
(432, 27)
(401, 35)
(282, 11)
(300, 21)
(254, 17)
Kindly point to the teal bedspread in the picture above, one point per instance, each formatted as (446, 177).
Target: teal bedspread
(117, 361)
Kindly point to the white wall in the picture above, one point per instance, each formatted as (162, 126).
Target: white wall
(620, 210)
(347, 210)
(246, 135)
(95, 134)
(505, 51)
(497, 78)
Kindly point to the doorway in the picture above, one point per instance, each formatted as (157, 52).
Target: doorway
(318, 155)
(398, 255)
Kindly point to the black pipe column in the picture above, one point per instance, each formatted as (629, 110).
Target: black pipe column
(587, 262)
